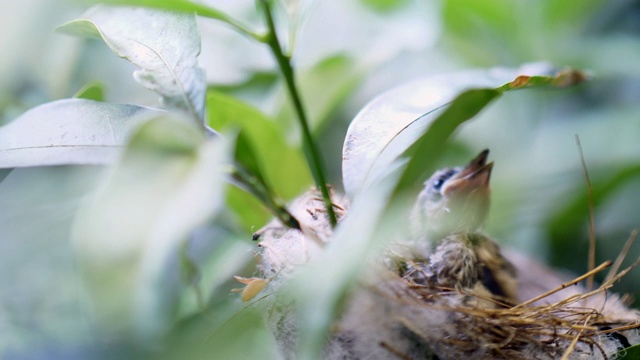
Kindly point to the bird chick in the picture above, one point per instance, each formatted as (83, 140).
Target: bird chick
(455, 200)
(450, 210)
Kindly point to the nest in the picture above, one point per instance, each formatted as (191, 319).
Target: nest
(453, 323)
(524, 331)
(390, 316)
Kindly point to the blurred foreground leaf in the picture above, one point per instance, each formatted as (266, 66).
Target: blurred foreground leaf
(572, 213)
(632, 353)
(41, 303)
(127, 239)
(464, 107)
(164, 45)
(72, 131)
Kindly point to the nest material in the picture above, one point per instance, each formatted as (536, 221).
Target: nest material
(560, 329)
(423, 322)
(389, 316)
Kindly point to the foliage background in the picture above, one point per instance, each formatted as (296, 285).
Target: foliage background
(346, 53)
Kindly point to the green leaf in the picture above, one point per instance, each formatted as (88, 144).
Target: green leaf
(567, 218)
(283, 165)
(384, 6)
(249, 174)
(71, 131)
(432, 107)
(632, 353)
(503, 30)
(91, 91)
(128, 237)
(464, 107)
(164, 45)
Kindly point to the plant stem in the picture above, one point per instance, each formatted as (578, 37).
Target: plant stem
(308, 144)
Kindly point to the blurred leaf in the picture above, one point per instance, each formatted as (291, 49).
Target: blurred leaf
(632, 353)
(562, 224)
(91, 91)
(248, 172)
(250, 212)
(322, 286)
(571, 14)
(245, 155)
(464, 107)
(257, 83)
(127, 238)
(164, 45)
(324, 87)
(388, 125)
(229, 330)
(72, 131)
(488, 31)
(190, 274)
(41, 304)
(384, 6)
(284, 167)
(505, 31)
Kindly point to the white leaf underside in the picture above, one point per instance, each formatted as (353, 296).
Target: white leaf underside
(164, 45)
(71, 131)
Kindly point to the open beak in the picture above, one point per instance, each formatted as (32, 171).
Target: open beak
(475, 176)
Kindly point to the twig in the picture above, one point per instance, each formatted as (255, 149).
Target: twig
(603, 266)
(621, 256)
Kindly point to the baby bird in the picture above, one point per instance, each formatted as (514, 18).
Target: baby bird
(450, 210)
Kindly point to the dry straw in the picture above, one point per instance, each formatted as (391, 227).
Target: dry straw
(554, 330)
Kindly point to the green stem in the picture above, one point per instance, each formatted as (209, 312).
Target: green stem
(310, 149)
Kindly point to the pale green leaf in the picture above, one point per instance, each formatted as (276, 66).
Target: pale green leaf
(164, 45)
(71, 131)
(127, 238)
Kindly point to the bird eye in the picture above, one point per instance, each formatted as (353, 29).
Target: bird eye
(438, 183)
(444, 176)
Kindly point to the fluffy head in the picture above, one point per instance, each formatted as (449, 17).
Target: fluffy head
(456, 200)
